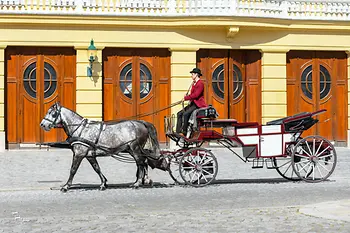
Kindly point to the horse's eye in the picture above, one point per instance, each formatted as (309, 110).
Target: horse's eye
(54, 114)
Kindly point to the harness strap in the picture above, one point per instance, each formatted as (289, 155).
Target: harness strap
(99, 133)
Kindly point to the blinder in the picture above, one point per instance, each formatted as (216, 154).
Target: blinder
(55, 115)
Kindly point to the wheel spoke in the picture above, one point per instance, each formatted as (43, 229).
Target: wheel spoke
(302, 155)
(285, 164)
(324, 150)
(319, 148)
(288, 169)
(305, 151)
(322, 156)
(318, 168)
(191, 177)
(307, 144)
(205, 178)
(324, 167)
(313, 171)
(313, 146)
(302, 168)
(308, 170)
(208, 161)
(207, 172)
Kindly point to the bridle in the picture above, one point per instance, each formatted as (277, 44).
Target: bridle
(56, 114)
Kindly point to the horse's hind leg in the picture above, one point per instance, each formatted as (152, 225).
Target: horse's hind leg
(97, 169)
(141, 174)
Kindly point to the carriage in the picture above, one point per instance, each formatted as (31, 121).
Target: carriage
(276, 145)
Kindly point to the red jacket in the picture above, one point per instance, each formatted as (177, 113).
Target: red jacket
(197, 94)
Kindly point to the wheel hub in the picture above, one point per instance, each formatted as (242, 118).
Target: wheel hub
(198, 167)
(313, 159)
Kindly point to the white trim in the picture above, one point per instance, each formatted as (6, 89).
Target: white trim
(245, 131)
(249, 140)
(266, 129)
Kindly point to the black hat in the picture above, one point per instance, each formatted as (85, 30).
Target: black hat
(197, 71)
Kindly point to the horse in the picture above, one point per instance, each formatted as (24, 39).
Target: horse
(89, 139)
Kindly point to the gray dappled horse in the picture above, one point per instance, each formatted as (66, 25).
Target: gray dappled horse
(89, 139)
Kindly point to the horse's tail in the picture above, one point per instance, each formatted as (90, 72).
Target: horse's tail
(152, 136)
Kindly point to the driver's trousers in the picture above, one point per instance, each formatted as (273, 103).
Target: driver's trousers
(183, 117)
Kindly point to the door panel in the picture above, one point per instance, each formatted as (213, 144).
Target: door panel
(136, 83)
(36, 78)
(317, 80)
(232, 82)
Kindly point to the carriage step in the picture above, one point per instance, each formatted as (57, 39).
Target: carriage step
(258, 163)
(270, 164)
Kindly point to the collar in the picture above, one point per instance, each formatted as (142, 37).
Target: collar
(195, 81)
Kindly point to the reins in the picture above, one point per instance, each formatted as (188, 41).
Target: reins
(150, 113)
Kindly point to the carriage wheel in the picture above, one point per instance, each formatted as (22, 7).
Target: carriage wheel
(314, 159)
(174, 172)
(198, 167)
(284, 167)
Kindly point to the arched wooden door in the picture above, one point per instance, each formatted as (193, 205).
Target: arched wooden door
(318, 80)
(36, 78)
(233, 82)
(137, 82)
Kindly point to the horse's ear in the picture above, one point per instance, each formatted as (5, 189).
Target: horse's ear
(57, 104)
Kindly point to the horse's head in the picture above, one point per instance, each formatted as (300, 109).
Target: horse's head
(52, 118)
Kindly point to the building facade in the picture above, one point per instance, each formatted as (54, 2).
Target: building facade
(260, 59)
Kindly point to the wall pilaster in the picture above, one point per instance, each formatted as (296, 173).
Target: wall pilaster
(89, 90)
(348, 74)
(183, 60)
(274, 84)
(2, 98)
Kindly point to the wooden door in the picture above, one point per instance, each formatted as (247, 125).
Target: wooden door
(137, 82)
(232, 82)
(318, 80)
(36, 78)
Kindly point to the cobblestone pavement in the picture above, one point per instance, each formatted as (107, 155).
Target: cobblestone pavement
(242, 200)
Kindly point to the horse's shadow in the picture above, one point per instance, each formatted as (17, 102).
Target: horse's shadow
(80, 186)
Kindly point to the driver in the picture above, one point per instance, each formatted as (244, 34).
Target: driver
(196, 98)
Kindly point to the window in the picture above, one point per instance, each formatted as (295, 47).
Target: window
(29, 80)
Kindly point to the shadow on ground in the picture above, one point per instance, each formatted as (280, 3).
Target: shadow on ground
(167, 185)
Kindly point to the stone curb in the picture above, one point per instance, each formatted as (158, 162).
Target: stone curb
(335, 210)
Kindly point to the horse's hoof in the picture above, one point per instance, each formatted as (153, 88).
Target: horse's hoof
(64, 189)
(135, 185)
(103, 188)
(150, 183)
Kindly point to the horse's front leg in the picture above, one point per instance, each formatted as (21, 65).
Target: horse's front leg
(97, 169)
(79, 152)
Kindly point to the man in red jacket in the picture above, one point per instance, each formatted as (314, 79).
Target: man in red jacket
(196, 98)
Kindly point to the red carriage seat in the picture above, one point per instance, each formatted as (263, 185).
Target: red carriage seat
(198, 115)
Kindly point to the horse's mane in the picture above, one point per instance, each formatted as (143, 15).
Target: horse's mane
(109, 122)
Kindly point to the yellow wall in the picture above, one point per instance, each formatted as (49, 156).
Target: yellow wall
(182, 62)
(183, 36)
(2, 83)
(273, 84)
(348, 52)
(89, 90)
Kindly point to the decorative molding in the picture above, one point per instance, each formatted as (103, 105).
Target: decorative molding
(232, 31)
(274, 50)
(84, 47)
(183, 49)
